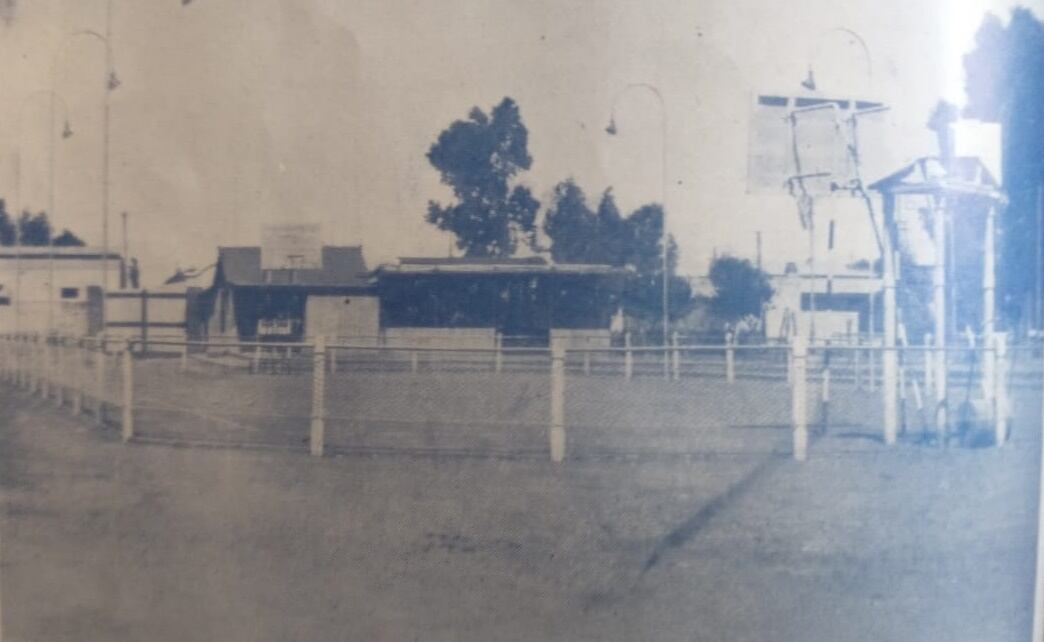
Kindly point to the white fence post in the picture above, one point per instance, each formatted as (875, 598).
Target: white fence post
(628, 357)
(99, 380)
(127, 423)
(317, 437)
(730, 357)
(414, 365)
(60, 371)
(929, 365)
(675, 357)
(498, 357)
(184, 355)
(255, 363)
(76, 378)
(556, 434)
(1000, 391)
(798, 400)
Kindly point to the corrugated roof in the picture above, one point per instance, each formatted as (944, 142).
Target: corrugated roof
(342, 266)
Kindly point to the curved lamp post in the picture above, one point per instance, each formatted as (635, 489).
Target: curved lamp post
(612, 130)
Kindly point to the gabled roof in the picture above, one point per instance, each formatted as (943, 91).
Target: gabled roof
(965, 175)
(342, 266)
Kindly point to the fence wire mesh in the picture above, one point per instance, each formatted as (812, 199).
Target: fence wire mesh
(251, 395)
(680, 400)
(478, 401)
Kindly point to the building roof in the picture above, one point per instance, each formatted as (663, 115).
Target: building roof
(493, 266)
(342, 266)
(964, 175)
(79, 252)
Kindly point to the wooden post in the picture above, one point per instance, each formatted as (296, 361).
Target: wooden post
(498, 356)
(60, 373)
(127, 424)
(44, 366)
(255, 364)
(77, 379)
(99, 381)
(333, 360)
(1000, 391)
(798, 399)
(318, 427)
(628, 358)
(414, 361)
(824, 391)
(587, 362)
(929, 366)
(144, 322)
(557, 436)
(675, 358)
(184, 355)
(790, 359)
(730, 358)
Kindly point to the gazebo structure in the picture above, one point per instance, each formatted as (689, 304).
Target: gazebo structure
(926, 205)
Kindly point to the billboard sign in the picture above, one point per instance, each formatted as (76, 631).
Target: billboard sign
(295, 246)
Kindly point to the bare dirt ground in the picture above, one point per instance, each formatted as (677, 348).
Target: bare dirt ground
(106, 541)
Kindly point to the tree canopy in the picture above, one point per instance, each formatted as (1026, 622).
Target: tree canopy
(740, 289)
(1004, 81)
(32, 230)
(580, 235)
(479, 158)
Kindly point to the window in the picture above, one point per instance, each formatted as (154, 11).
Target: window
(70, 293)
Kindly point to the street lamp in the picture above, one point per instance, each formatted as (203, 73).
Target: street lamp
(19, 206)
(111, 83)
(612, 130)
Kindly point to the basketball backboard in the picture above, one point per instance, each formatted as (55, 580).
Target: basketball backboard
(803, 142)
(291, 247)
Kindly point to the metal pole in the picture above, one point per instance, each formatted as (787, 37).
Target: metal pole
(109, 78)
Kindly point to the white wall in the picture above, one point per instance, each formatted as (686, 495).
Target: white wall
(342, 316)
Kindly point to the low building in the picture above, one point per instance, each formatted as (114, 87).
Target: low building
(470, 302)
(839, 305)
(55, 289)
(247, 302)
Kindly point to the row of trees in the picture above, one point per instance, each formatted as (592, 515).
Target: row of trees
(1004, 83)
(493, 215)
(32, 229)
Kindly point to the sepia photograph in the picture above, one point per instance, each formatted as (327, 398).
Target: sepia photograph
(521, 320)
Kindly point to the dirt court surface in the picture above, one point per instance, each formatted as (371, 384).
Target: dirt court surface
(107, 541)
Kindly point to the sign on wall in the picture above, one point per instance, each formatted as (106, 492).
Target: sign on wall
(295, 246)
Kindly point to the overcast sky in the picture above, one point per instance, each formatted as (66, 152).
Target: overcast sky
(236, 113)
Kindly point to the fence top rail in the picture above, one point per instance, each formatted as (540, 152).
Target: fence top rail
(408, 348)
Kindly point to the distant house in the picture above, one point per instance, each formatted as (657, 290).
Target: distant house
(59, 289)
(471, 301)
(247, 302)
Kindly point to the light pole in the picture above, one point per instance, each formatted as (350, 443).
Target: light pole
(611, 130)
(19, 205)
(111, 83)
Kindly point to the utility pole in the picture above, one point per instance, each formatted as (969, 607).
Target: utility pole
(126, 254)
